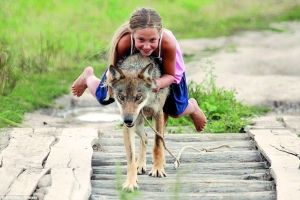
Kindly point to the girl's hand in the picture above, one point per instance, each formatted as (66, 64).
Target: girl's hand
(156, 88)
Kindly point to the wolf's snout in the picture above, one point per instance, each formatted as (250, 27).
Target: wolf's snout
(128, 120)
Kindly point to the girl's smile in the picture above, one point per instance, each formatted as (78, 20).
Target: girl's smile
(146, 40)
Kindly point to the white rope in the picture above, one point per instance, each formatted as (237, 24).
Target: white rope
(177, 159)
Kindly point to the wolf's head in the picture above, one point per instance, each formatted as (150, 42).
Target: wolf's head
(132, 89)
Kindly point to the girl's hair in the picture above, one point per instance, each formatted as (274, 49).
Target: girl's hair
(141, 18)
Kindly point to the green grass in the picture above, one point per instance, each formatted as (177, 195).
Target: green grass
(45, 44)
(225, 114)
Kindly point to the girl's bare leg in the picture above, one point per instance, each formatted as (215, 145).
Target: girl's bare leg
(86, 80)
(196, 114)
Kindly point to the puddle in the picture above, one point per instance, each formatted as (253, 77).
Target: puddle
(98, 117)
(91, 114)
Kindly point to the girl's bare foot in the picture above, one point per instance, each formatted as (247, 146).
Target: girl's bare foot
(198, 116)
(79, 85)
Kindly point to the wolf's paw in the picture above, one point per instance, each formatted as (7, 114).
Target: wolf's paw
(141, 169)
(157, 172)
(130, 186)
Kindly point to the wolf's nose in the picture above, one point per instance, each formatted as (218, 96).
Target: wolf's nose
(128, 121)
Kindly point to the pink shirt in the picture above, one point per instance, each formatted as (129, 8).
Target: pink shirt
(179, 67)
(179, 63)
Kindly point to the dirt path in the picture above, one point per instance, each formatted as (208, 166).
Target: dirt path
(262, 67)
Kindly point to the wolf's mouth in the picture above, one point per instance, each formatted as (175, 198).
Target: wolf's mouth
(129, 125)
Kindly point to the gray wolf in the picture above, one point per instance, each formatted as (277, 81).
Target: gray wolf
(132, 83)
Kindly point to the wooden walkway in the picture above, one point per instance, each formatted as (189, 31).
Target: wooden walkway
(238, 172)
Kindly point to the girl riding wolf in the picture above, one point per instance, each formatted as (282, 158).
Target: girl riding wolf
(144, 33)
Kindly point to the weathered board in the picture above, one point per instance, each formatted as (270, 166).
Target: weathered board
(238, 172)
(46, 163)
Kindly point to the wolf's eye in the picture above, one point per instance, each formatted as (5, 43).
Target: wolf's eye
(138, 97)
(121, 97)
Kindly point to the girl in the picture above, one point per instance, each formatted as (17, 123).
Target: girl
(144, 34)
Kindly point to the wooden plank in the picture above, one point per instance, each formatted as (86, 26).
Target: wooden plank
(215, 166)
(113, 194)
(184, 137)
(4, 140)
(194, 186)
(284, 167)
(192, 176)
(235, 173)
(73, 149)
(7, 177)
(82, 187)
(176, 148)
(21, 155)
(62, 184)
(25, 184)
(70, 163)
(185, 170)
(115, 143)
(68, 183)
(103, 159)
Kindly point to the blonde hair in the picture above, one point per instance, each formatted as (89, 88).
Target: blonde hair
(141, 18)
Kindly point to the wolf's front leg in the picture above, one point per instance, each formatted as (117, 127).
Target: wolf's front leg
(141, 162)
(158, 155)
(131, 180)
(140, 130)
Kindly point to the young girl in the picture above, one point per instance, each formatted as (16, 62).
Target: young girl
(144, 34)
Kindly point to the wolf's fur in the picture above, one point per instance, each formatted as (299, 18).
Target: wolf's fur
(132, 83)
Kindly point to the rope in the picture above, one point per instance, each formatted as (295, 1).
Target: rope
(177, 159)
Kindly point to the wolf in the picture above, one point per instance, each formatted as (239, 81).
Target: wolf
(132, 82)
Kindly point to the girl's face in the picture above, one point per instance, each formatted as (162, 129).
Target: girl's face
(146, 40)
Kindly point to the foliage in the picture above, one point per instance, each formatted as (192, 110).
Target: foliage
(223, 111)
(45, 40)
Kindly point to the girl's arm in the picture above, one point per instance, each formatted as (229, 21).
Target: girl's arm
(169, 62)
(123, 46)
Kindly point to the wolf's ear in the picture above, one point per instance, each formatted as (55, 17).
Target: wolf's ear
(116, 73)
(146, 72)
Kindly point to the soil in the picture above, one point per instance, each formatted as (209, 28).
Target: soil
(262, 67)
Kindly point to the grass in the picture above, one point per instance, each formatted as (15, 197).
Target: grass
(225, 114)
(45, 44)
